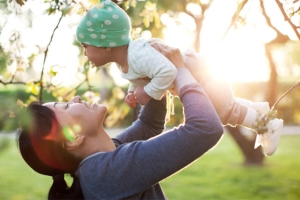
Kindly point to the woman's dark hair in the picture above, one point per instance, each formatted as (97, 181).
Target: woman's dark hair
(37, 142)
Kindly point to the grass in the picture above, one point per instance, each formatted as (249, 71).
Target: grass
(219, 174)
(18, 181)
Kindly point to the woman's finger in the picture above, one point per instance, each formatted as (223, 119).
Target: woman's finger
(158, 46)
(172, 53)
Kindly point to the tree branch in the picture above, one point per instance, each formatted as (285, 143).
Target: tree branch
(280, 38)
(45, 57)
(286, 18)
(11, 83)
(233, 19)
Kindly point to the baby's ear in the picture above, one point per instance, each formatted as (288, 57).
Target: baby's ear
(76, 142)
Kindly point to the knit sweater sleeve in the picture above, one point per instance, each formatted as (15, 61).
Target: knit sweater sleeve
(137, 166)
(150, 122)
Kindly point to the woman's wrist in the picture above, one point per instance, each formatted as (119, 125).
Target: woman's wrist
(183, 78)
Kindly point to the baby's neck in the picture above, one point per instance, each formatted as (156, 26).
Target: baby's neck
(124, 69)
(122, 58)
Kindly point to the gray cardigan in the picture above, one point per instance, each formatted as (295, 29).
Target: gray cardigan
(144, 155)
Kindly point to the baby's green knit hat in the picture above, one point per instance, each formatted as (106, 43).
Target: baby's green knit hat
(104, 25)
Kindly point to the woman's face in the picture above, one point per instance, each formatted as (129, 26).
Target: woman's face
(87, 119)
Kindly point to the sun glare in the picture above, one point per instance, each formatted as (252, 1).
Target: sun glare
(240, 56)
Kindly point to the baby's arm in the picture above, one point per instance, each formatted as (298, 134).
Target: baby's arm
(151, 63)
(162, 73)
(141, 96)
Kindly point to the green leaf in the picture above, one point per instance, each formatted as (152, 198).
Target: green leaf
(52, 72)
(67, 10)
(20, 2)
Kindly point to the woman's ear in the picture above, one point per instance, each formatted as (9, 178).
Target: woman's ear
(107, 49)
(76, 142)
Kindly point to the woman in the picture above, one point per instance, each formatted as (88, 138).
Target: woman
(69, 138)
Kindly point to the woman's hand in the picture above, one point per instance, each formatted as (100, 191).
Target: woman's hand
(173, 54)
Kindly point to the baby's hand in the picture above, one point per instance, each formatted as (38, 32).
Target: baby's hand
(141, 96)
(130, 100)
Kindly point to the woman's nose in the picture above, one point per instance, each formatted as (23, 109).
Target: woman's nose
(75, 99)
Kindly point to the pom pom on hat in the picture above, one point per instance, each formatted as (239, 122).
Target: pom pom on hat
(104, 25)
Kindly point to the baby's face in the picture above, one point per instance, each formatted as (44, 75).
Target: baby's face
(99, 56)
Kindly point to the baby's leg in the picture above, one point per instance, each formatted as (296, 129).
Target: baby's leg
(219, 91)
(260, 107)
(235, 111)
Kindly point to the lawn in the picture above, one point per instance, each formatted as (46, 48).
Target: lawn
(219, 174)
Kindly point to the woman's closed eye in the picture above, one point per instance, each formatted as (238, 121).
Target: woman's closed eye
(58, 105)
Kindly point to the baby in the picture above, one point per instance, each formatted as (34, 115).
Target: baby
(104, 32)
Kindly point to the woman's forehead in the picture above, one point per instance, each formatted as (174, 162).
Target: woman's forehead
(57, 107)
(60, 111)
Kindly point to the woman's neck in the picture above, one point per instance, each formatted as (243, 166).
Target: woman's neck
(97, 143)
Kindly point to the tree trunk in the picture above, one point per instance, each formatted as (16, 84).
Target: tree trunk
(271, 93)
